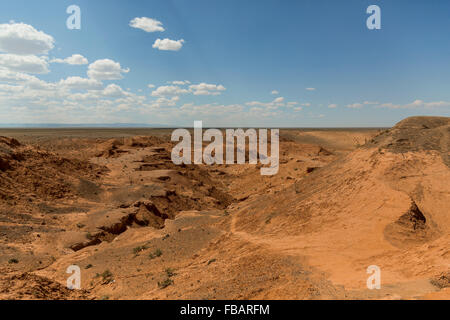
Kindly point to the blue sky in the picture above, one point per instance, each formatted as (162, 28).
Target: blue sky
(242, 63)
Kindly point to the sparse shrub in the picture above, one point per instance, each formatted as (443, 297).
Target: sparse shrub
(442, 281)
(13, 261)
(157, 253)
(107, 277)
(164, 284)
(88, 266)
(139, 249)
(170, 273)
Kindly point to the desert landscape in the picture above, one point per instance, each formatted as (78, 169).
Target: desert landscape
(112, 202)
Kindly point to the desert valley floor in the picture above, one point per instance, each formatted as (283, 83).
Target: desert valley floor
(112, 202)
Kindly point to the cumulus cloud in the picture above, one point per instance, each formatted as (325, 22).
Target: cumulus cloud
(23, 39)
(278, 102)
(168, 45)
(332, 106)
(106, 69)
(206, 89)
(78, 83)
(355, 106)
(114, 91)
(274, 92)
(26, 64)
(417, 104)
(180, 83)
(13, 76)
(310, 89)
(75, 59)
(147, 24)
(168, 91)
(210, 109)
(151, 86)
(262, 112)
(165, 102)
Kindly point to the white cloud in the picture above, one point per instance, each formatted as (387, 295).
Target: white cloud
(20, 38)
(27, 64)
(13, 76)
(261, 112)
(79, 83)
(256, 109)
(147, 24)
(355, 106)
(180, 83)
(417, 104)
(106, 69)
(310, 89)
(278, 100)
(151, 86)
(274, 92)
(114, 91)
(164, 102)
(213, 110)
(168, 91)
(332, 106)
(206, 89)
(255, 103)
(168, 45)
(75, 59)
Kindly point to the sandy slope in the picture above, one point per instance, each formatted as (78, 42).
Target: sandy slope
(380, 205)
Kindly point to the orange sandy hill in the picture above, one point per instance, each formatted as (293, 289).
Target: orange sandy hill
(386, 204)
(226, 232)
(28, 173)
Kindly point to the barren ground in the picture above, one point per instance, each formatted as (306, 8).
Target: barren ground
(139, 227)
